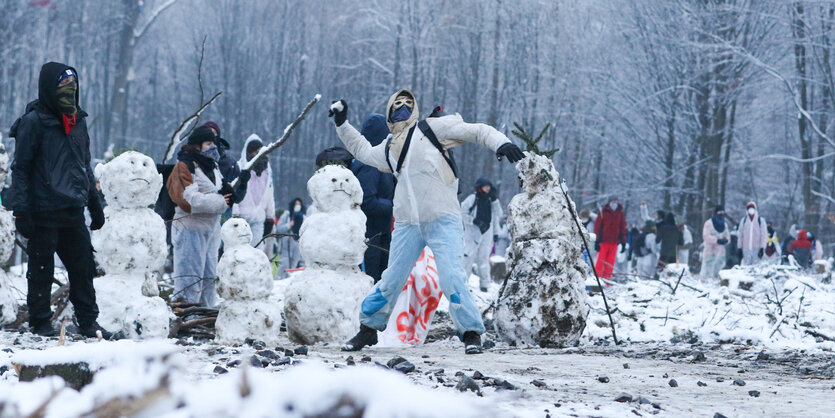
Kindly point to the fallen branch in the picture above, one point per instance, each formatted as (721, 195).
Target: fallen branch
(817, 334)
(183, 129)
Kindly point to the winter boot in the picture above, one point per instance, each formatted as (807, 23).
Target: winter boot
(44, 329)
(366, 336)
(89, 330)
(472, 343)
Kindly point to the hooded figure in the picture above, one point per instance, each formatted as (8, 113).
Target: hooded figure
(425, 207)
(801, 249)
(715, 235)
(646, 250)
(290, 222)
(670, 237)
(481, 212)
(52, 183)
(753, 236)
(258, 205)
(196, 186)
(377, 200)
(610, 230)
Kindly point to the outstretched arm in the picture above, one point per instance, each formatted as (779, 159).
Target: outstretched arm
(452, 131)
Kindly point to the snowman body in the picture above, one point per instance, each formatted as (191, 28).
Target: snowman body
(544, 301)
(246, 283)
(322, 302)
(8, 299)
(131, 249)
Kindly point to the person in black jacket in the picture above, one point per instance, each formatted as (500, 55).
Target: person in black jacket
(52, 183)
(377, 195)
(670, 237)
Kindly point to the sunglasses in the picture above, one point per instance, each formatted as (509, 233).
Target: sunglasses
(400, 101)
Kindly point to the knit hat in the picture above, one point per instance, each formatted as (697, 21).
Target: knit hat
(253, 146)
(200, 135)
(719, 208)
(213, 125)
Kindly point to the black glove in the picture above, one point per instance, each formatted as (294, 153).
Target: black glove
(512, 152)
(597, 246)
(225, 190)
(244, 177)
(24, 225)
(96, 213)
(340, 116)
(722, 241)
(495, 238)
(268, 226)
(760, 253)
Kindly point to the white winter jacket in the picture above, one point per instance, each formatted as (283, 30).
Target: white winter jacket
(426, 187)
(259, 203)
(468, 211)
(753, 233)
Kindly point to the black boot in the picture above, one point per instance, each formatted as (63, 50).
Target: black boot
(366, 336)
(44, 329)
(89, 330)
(472, 343)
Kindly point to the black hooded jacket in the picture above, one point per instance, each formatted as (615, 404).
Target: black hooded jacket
(51, 170)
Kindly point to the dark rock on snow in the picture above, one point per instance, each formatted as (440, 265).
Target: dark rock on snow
(673, 383)
(466, 383)
(623, 397)
(220, 370)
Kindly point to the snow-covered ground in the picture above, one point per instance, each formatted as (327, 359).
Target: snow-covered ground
(732, 366)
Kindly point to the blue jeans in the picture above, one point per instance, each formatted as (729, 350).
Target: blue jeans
(445, 236)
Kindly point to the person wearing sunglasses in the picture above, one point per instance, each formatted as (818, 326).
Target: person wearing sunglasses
(426, 209)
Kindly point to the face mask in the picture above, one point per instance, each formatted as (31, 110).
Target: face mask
(65, 95)
(613, 206)
(401, 113)
(297, 208)
(211, 152)
(752, 211)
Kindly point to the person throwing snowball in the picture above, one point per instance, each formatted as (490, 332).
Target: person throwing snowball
(426, 209)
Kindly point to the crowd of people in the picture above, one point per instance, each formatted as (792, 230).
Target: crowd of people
(662, 239)
(404, 165)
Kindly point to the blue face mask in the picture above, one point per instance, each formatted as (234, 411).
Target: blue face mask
(400, 114)
(211, 152)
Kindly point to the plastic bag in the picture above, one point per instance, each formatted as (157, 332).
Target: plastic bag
(409, 322)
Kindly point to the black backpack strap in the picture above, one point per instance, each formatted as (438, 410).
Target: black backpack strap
(427, 132)
(388, 146)
(405, 149)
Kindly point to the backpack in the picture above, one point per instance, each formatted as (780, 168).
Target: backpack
(639, 245)
(430, 135)
(164, 206)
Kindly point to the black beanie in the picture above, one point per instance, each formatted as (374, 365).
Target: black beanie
(253, 146)
(200, 135)
(719, 208)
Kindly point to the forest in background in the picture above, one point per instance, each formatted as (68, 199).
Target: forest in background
(680, 103)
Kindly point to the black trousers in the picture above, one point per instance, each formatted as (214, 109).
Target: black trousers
(376, 259)
(72, 243)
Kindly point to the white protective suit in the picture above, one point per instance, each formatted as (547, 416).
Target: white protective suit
(426, 186)
(258, 204)
(647, 265)
(195, 236)
(477, 246)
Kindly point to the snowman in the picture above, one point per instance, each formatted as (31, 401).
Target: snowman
(131, 248)
(322, 302)
(8, 301)
(246, 283)
(544, 300)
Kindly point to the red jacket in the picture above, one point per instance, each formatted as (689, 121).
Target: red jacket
(610, 225)
(801, 241)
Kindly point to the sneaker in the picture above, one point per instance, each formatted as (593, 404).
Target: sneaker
(89, 331)
(45, 329)
(472, 343)
(366, 336)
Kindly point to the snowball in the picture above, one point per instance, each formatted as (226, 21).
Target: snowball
(544, 302)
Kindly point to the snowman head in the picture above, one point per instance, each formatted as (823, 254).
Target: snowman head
(4, 164)
(537, 173)
(334, 188)
(236, 232)
(130, 180)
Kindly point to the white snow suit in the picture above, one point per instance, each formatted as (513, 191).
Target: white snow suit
(258, 204)
(753, 236)
(478, 246)
(195, 232)
(426, 209)
(647, 264)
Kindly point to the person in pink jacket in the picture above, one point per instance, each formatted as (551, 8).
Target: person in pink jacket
(716, 235)
(753, 236)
